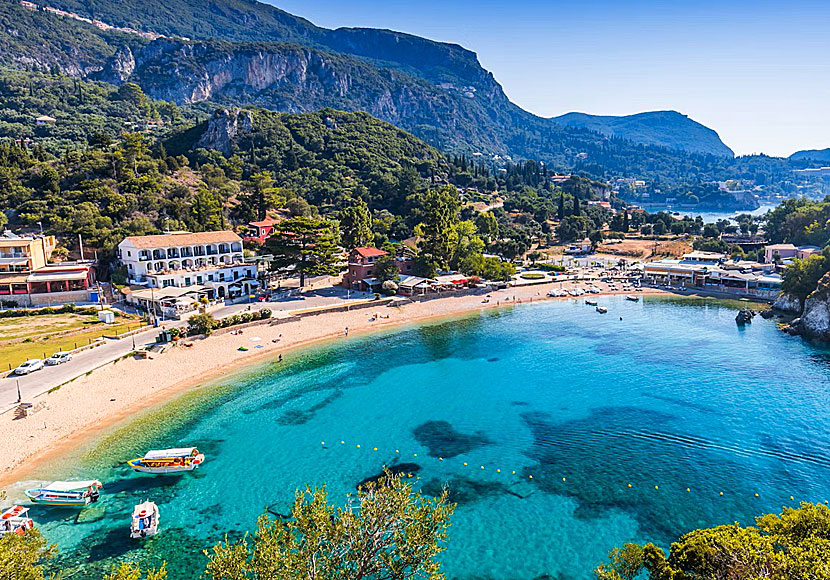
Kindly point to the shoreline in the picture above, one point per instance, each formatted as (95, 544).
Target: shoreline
(82, 410)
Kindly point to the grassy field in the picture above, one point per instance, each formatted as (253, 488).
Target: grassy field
(38, 336)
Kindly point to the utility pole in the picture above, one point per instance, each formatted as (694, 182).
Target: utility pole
(81, 246)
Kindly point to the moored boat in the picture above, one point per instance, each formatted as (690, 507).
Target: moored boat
(15, 520)
(145, 520)
(602, 309)
(591, 302)
(166, 461)
(66, 493)
(633, 298)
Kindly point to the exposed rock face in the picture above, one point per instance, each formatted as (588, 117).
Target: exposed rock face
(815, 320)
(119, 68)
(787, 303)
(298, 79)
(224, 127)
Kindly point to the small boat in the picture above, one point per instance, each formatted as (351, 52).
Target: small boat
(591, 302)
(15, 520)
(163, 461)
(602, 309)
(633, 298)
(145, 520)
(66, 493)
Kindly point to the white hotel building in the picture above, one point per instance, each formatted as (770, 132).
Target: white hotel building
(208, 263)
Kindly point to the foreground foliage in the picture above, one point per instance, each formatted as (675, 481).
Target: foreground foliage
(793, 545)
(387, 532)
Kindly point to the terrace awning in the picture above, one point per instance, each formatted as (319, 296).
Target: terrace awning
(57, 276)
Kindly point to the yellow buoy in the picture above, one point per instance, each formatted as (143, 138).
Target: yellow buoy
(530, 477)
(396, 451)
(342, 443)
(440, 459)
(629, 485)
(322, 442)
(563, 479)
(756, 495)
(721, 493)
(358, 445)
(482, 467)
(414, 455)
(498, 471)
(792, 498)
(688, 490)
(513, 472)
(656, 487)
(465, 463)
(374, 448)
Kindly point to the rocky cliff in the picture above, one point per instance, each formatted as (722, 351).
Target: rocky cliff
(225, 128)
(815, 319)
(787, 303)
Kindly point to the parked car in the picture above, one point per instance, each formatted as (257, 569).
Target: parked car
(59, 358)
(29, 366)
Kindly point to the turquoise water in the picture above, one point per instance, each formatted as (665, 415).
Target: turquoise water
(674, 395)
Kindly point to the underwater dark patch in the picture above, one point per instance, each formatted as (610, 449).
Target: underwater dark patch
(600, 455)
(402, 469)
(444, 441)
(465, 490)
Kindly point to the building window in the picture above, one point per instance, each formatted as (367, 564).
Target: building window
(198, 279)
(210, 277)
(187, 281)
(221, 276)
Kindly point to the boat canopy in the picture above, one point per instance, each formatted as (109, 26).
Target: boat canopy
(72, 485)
(166, 453)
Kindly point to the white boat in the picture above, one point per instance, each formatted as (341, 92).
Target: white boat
(165, 461)
(145, 520)
(66, 493)
(15, 520)
(591, 302)
(633, 298)
(602, 309)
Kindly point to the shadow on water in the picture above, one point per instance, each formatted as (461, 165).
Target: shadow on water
(443, 440)
(402, 469)
(465, 490)
(616, 446)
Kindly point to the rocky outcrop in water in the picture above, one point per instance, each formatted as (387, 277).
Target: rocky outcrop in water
(787, 303)
(224, 128)
(745, 316)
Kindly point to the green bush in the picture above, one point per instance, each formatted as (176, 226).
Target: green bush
(201, 324)
(551, 267)
(532, 276)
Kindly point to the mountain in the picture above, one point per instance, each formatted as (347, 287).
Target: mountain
(661, 128)
(822, 155)
(247, 53)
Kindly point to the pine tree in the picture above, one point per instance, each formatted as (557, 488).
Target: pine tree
(304, 246)
(356, 225)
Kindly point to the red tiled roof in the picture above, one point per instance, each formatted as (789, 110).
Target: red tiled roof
(264, 223)
(369, 252)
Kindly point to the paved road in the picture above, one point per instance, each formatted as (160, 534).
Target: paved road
(49, 377)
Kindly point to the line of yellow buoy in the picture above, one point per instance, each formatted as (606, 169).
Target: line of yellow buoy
(513, 472)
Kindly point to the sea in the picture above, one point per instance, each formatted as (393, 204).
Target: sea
(560, 433)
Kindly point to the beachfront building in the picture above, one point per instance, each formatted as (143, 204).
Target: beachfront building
(729, 277)
(785, 253)
(205, 261)
(361, 269)
(27, 278)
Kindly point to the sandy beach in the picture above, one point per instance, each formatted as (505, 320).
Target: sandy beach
(86, 407)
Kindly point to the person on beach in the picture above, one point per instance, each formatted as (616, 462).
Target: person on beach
(346, 332)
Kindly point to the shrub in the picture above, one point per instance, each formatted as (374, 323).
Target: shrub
(532, 276)
(390, 288)
(201, 324)
(551, 267)
(264, 314)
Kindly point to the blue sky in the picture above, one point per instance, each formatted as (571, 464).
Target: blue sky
(756, 72)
